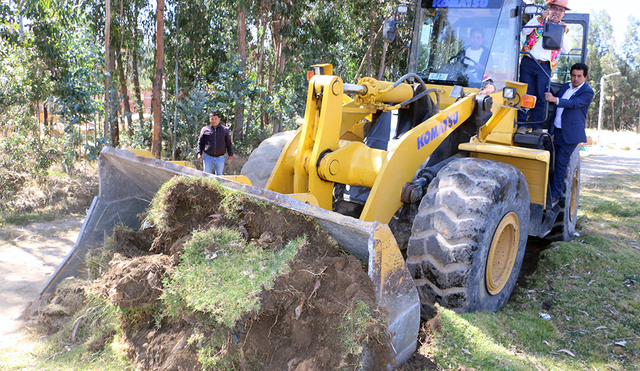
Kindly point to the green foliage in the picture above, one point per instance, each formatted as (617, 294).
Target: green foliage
(23, 151)
(251, 139)
(54, 64)
(60, 62)
(93, 150)
(220, 274)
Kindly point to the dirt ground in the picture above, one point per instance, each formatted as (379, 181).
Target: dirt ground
(28, 257)
(30, 254)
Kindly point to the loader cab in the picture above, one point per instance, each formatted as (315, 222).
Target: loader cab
(578, 25)
(467, 42)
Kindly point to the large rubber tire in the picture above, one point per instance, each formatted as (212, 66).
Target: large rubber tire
(565, 225)
(469, 236)
(263, 159)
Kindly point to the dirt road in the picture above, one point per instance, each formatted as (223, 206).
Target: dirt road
(596, 162)
(28, 257)
(30, 254)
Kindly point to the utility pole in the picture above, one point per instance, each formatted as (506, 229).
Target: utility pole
(600, 107)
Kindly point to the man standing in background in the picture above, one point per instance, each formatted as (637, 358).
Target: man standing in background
(213, 143)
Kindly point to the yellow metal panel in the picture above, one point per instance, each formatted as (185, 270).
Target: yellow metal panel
(141, 152)
(533, 163)
(307, 198)
(411, 150)
(326, 67)
(445, 91)
(521, 87)
(352, 116)
(503, 132)
(183, 163)
(496, 119)
(238, 179)
(352, 137)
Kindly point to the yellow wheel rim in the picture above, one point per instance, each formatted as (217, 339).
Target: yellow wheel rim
(502, 256)
(573, 206)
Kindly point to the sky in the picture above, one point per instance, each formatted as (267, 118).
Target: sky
(618, 10)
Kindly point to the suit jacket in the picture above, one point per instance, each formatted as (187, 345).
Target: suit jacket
(574, 116)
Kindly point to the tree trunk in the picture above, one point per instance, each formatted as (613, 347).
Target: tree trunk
(177, 96)
(20, 6)
(261, 67)
(136, 78)
(114, 114)
(45, 115)
(136, 86)
(125, 94)
(370, 56)
(122, 75)
(156, 144)
(250, 113)
(107, 75)
(242, 50)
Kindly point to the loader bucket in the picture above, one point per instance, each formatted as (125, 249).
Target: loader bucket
(128, 183)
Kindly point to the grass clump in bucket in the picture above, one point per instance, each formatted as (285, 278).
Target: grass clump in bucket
(221, 274)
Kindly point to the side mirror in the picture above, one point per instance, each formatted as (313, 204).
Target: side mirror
(390, 26)
(552, 35)
(389, 30)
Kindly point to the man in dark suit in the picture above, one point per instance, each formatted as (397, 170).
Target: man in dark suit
(573, 101)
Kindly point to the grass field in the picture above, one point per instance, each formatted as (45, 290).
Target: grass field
(587, 289)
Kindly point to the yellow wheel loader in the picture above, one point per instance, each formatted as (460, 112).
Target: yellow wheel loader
(423, 178)
(434, 155)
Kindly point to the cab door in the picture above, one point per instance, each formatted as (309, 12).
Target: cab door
(578, 25)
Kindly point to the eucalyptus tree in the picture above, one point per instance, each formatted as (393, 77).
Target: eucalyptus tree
(629, 66)
(601, 45)
(57, 53)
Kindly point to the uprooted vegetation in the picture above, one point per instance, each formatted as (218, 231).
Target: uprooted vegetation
(216, 280)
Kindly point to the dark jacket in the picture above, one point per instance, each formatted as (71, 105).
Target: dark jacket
(215, 141)
(574, 116)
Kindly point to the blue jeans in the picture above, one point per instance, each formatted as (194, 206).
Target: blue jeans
(210, 162)
(537, 82)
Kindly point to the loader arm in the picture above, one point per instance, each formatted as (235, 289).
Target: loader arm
(316, 159)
